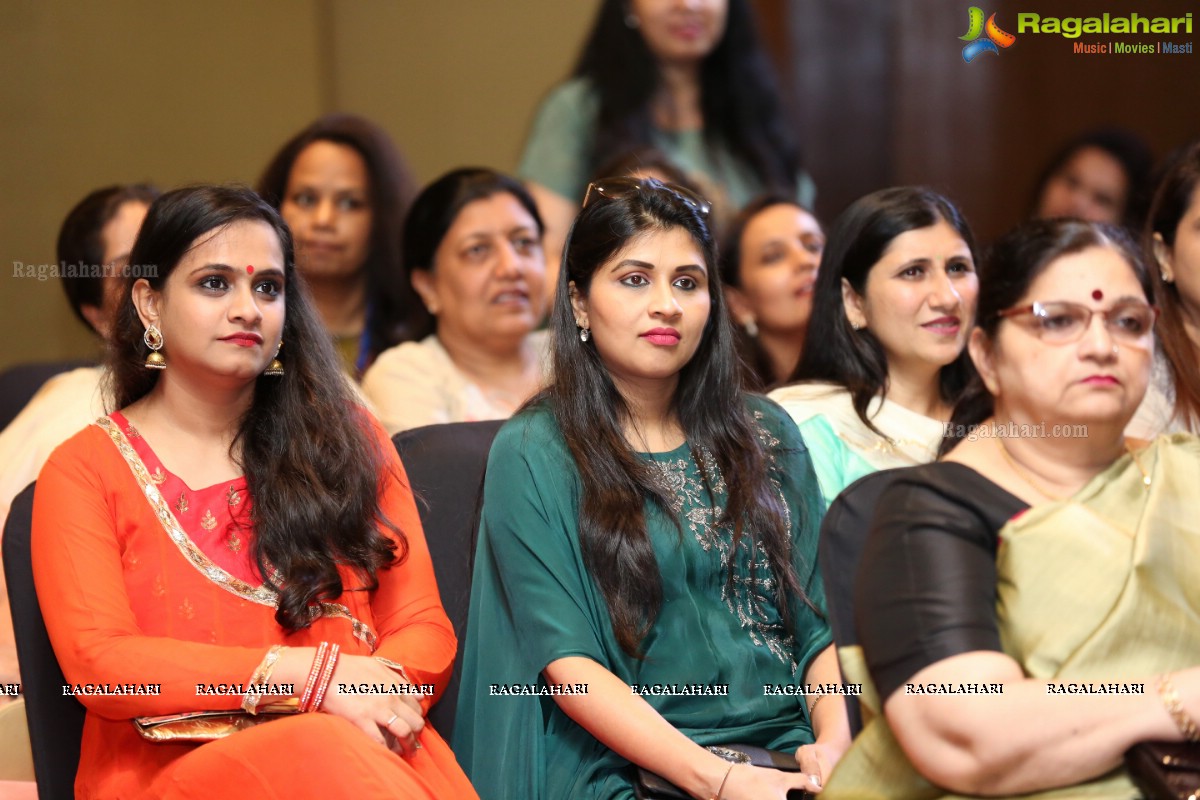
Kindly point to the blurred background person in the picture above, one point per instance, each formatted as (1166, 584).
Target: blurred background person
(1173, 229)
(1099, 176)
(644, 161)
(473, 254)
(97, 234)
(769, 269)
(686, 76)
(343, 188)
(885, 358)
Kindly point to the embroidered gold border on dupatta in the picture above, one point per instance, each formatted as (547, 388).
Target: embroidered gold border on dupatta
(261, 595)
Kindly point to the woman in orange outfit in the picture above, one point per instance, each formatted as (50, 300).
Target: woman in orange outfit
(301, 565)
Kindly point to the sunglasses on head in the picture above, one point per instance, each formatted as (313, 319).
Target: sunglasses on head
(620, 188)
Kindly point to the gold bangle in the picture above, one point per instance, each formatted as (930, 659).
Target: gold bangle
(262, 674)
(387, 662)
(813, 707)
(724, 780)
(1170, 698)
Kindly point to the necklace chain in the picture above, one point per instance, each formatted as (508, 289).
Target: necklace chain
(1028, 478)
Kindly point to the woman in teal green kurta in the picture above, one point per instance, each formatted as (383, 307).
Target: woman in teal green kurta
(536, 604)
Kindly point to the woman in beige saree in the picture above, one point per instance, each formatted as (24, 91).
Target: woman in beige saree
(1027, 607)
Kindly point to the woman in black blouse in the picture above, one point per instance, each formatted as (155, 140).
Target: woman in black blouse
(1014, 597)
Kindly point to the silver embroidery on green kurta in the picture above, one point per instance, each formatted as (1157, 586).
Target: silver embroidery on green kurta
(753, 585)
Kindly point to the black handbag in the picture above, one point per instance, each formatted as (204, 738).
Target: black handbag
(650, 786)
(1165, 770)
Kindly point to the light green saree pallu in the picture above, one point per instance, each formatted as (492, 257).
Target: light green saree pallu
(1102, 588)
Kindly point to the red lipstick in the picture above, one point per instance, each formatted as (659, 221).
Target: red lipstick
(665, 337)
(244, 339)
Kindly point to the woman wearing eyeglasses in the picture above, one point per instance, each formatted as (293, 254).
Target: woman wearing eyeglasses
(1027, 607)
(645, 580)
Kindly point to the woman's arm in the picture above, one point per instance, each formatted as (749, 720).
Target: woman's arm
(830, 723)
(412, 625)
(628, 725)
(1024, 739)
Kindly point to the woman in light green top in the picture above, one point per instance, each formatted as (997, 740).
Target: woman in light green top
(691, 80)
(645, 524)
(884, 359)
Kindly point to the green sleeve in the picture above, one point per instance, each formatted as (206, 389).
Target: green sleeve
(558, 150)
(530, 604)
(530, 515)
(801, 490)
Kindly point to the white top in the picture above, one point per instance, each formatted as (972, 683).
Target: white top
(915, 438)
(416, 383)
(65, 405)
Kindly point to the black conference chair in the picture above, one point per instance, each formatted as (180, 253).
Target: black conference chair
(445, 465)
(20, 383)
(55, 721)
(843, 534)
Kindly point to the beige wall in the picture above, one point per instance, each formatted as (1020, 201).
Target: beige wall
(181, 92)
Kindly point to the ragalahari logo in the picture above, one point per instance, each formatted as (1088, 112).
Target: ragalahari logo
(996, 38)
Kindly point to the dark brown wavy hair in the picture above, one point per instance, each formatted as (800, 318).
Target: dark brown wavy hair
(311, 462)
(710, 406)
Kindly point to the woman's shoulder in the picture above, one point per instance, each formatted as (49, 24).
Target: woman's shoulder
(572, 95)
(91, 449)
(950, 491)
(805, 400)
(531, 434)
(770, 416)
(409, 354)
(409, 361)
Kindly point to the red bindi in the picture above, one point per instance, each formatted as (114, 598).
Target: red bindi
(1097, 294)
(249, 270)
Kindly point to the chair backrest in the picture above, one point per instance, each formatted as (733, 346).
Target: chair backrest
(55, 721)
(843, 534)
(445, 465)
(20, 383)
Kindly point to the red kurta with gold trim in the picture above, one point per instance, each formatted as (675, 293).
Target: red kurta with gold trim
(144, 581)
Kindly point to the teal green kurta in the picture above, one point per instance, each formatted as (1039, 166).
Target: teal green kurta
(534, 602)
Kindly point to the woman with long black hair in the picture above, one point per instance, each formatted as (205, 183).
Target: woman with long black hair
(240, 533)
(646, 525)
(885, 354)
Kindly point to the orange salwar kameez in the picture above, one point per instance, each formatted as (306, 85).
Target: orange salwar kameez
(141, 586)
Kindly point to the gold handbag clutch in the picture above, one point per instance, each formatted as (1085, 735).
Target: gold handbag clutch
(208, 726)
